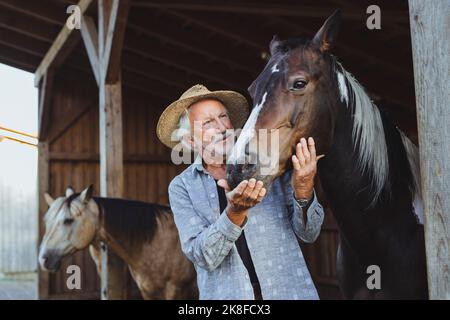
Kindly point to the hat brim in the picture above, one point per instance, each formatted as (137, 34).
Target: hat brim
(235, 103)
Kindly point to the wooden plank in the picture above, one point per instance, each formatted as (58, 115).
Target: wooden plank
(94, 157)
(114, 38)
(45, 101)
(257, 8)
(90, 39)
(43, 186)
(111, 28)
(68, 120)
(430, 22)
(111, 146)
(61, 47)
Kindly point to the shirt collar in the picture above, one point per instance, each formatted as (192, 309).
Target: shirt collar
(198, 164)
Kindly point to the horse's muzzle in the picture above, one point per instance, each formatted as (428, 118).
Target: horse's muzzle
(239, 172)
(50, 261)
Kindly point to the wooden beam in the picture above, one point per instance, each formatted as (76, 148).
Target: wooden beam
(217, 25)
(113, 32)
(18, 58)
(190, 63)
(23, 43)
(43, 186)
(114, 276)
(111, 146)
(257, 8)
(64, 43)
(45, 101)
(37, 9)
(95, 157)
(112, 17)
(29, 26)
(167, 30)
(431, 57)
(90, 40)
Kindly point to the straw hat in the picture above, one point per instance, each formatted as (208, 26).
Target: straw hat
(235, 103)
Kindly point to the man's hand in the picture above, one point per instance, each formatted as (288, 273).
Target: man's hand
(305, 168)
(246, 195)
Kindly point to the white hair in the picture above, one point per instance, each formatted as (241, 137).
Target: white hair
(368, 131)
(184, 128)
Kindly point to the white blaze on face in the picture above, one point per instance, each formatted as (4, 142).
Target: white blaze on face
(247, 133)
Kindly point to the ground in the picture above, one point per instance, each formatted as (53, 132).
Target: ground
(12, 288)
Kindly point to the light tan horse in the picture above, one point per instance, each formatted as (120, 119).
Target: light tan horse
(144, 235)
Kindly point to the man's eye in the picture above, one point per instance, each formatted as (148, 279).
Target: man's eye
(223, 115)
(68, 221)
(299, 84)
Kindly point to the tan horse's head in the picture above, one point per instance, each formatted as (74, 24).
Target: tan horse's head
(71, 223)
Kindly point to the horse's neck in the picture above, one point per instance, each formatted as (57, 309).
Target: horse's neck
(104, 235)
(350, 191)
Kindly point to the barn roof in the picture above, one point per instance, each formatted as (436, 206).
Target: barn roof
(171, 45)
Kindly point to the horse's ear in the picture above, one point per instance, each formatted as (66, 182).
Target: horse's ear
(48, 198)
(326, 36)
(86, 195)
(69, 191)
(274, 44)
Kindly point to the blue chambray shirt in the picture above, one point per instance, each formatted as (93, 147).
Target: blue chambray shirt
(207, 238)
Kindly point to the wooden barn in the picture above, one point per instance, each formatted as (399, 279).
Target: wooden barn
(103, 87)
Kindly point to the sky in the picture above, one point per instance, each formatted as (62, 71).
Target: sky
(18, 110)
(18, 173)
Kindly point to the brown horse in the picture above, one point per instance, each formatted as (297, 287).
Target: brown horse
(144, 235)
(370, 172)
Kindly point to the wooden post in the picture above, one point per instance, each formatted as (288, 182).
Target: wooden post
(43, 186)
(430, 23)
(111, 28)
(45, 94)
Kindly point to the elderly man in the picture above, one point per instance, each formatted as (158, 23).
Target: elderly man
(242, 242)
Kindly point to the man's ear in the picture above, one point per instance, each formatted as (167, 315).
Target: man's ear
(86, 195)
(325, 38)
(48, 198)
(69, 191)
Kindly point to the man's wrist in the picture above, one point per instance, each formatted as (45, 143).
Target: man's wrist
(236, 216)
(302, 195)
(304, 202)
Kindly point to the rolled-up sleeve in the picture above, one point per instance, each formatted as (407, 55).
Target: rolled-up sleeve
(309, 231)
(206, 245)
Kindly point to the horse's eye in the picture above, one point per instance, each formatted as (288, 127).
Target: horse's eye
(68, 221)
(299, 84)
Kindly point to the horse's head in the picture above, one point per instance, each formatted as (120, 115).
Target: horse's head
(294, 97)
(71, 223)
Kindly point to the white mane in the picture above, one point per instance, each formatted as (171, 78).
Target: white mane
(368, 137)
(368, 132)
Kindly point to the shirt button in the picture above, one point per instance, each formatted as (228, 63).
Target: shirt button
(212, 195)
(246, 276)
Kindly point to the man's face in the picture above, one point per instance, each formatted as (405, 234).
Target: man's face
(209, 124)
